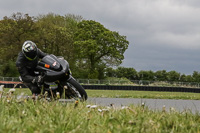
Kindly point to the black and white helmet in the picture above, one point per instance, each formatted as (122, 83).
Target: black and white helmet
(29, 50)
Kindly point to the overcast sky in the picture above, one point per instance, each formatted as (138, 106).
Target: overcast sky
(163, 34)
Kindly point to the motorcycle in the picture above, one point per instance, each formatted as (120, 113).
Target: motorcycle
(58, 78)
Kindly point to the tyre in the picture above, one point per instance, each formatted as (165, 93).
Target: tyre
(75, 90)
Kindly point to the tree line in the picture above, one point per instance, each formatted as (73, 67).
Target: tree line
(160, 75)
(87, 45)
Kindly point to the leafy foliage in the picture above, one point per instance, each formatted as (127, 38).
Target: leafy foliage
(13, 32)
(99, 46)
(87, 45)
(9, 69)
(56, 35)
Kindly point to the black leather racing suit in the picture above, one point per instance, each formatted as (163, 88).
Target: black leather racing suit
(26, 70)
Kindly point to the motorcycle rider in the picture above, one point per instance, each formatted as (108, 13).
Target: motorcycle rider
(26, 63)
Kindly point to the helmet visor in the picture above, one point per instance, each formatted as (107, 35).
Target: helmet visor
(31, 55)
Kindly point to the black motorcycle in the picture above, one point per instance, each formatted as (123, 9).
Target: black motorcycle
(58, 79)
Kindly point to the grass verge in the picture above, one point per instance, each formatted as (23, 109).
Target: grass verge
(130, 94)
(143, 94)
(27, 116)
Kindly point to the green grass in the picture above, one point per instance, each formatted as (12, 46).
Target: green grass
(143, 94)
(41, 116)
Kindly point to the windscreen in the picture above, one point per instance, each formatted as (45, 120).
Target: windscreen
(51, 62)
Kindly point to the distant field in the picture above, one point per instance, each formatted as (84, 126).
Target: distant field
(143, 94)
(132, 94)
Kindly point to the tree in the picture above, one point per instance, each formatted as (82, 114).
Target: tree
(161, 75)
(13, 32)
(173, 76)
(110, 72)
(183, 78)
(56, 36)
(97, 45)
(151, 75)
(189, 78)
(52, 33)
(8, 69)
(146, 75)
(196, 76)
(129, 73)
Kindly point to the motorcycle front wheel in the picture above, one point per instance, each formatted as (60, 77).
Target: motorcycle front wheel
(75, 90)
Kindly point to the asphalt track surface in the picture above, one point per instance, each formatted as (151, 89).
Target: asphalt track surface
(153, 104)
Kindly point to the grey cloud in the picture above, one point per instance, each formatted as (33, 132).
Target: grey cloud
(162, 58)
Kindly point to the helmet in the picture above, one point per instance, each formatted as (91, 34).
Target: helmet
(29, 50)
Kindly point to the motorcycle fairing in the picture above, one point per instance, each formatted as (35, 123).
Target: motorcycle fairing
(57, 70)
